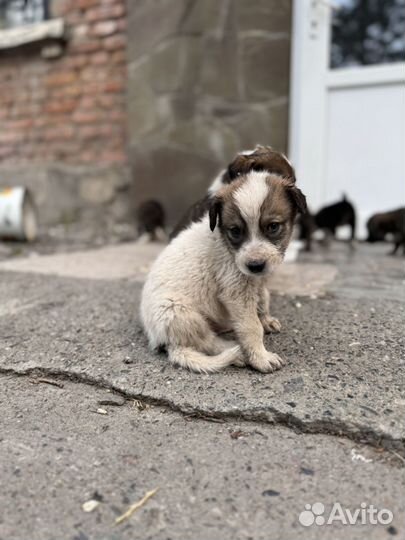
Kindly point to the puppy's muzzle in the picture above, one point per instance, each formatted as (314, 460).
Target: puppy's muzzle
(256, 267)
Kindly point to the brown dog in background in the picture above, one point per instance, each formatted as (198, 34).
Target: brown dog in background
(379, 225)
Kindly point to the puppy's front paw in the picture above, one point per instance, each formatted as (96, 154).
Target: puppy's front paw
(266, 362)
(270, 324)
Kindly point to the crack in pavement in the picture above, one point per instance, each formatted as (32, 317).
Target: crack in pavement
(362, 434)
(345, 356)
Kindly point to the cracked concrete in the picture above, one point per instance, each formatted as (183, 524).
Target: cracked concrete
(230, 480)
(344, 342)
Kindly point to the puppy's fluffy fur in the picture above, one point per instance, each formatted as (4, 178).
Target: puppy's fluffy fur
(213, 277)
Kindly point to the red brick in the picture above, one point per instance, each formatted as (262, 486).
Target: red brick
(88, 102)
(93, 88)
(40, 121)
(61, 106)
(11, 137)
(121, 25)
(84, 4)
(107, 100)
(116, 142)
(88, 157)
(105, 13)
(6, 98)
(117, 156)
(104, 28)
(113, 43)
(77, 61)
(73, 17)
(63, 132)
(90, 45)
(94, 74)
(119, 57)
(97, 131)
(72, 90)
(80, 31)
(89, 132)
(61, 78)
(85, 117)
(114, 86)
(100, 58)
(117, 116)
(24, 123)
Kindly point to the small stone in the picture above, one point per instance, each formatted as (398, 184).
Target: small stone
(90, 505)
(216, 512)
(270, 493)
(306, 471)
(298, 305)
(101, 411)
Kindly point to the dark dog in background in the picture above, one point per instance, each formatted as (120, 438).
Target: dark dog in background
(379, 225)
(328, 219)
(150, 219)
(306, 227)
(262, 158)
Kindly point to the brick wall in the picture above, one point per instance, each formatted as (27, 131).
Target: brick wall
(63, 119)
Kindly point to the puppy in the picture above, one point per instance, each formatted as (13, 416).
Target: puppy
(262, 158)
(336, 215)
(214, 274)
(150, 218)
(379, 225)
(306, 227)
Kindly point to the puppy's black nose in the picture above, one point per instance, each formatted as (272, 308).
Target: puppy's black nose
(256, 266)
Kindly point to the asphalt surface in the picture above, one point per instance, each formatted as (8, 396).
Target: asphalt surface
(234, 455)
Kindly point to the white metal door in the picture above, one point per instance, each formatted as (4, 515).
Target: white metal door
(347, 116)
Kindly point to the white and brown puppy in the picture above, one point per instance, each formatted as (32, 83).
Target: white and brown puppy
(261, 158)
(212, 276)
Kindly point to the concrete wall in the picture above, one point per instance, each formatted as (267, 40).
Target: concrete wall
(63, 118)
(207, 78)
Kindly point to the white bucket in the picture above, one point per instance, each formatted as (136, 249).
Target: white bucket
(18, 218)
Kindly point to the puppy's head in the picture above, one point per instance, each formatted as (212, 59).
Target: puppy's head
(262, 158)
(255, 215)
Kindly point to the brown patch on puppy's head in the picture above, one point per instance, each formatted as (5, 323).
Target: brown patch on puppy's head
(255, 215)
(263, 158)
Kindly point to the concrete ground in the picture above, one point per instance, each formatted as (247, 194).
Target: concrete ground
(89, 414)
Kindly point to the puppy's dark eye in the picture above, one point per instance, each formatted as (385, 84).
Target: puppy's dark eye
(235, 233)
(274, 227)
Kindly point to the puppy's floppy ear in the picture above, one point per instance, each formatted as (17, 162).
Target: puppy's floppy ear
(298, 198)
(215, 212)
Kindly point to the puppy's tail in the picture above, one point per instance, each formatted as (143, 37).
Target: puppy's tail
(202, 363)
